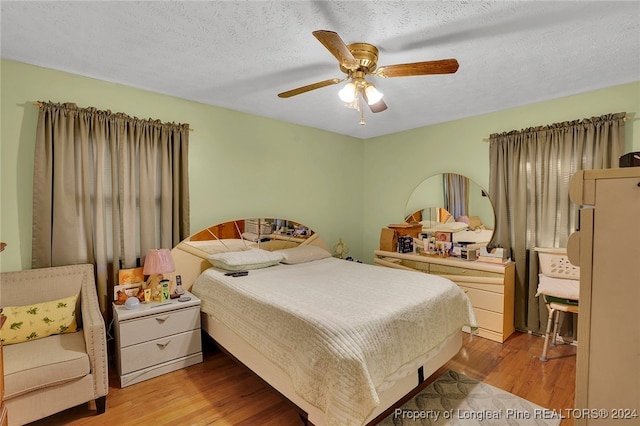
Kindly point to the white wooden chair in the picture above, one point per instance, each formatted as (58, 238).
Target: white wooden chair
(559, 285)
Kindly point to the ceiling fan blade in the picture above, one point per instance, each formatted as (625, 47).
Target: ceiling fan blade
(309, 87)
(334, 44)
(376, 107)
(443, 66)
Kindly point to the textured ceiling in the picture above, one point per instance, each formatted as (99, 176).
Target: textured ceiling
(241, 54)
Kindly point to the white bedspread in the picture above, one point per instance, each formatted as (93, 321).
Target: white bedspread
(337, 328)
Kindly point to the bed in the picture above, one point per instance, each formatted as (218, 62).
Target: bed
(343, 341)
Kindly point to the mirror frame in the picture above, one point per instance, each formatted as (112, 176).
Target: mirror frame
(431, 189)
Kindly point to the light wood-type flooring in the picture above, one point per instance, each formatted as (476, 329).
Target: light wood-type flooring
(220, 392)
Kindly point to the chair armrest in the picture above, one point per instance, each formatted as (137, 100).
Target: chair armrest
(95, 337)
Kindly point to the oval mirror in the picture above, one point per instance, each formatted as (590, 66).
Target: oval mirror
(447, 201)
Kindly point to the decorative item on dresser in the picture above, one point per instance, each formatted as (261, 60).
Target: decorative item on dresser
(157, 338)
(490, 287)
(606, 249)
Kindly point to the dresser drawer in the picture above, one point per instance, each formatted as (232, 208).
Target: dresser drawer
(161, 350)
(484, 299)
(490, 320)
(456, 270)
(163, 324)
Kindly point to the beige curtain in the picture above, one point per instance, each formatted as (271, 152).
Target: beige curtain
(456, 194)
(107, 187)
(529, 179)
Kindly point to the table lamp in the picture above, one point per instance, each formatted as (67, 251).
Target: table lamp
(157, 263)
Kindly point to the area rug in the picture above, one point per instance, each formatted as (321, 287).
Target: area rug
(455, 399)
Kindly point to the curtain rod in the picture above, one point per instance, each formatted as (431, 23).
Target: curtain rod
(626, 118)
(39, 104)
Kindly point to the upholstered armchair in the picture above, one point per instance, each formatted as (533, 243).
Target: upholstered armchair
(45, 374)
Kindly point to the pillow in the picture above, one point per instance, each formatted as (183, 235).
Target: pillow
(215, 246)
(428, 223)
(244, 260)
(39, 320)
(463, 219)
(475, 222)
(452, 226)
(302, 254)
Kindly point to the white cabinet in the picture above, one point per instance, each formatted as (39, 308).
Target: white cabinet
(489, 287)
(607, 249)
(156, 338)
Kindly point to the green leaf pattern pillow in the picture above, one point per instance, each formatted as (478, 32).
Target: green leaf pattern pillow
(39, 320)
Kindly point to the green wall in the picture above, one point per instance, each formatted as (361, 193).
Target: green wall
(396, 164)
(244, 165)
(240, 165)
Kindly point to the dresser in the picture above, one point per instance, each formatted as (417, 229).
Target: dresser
(489, 287)
(607, 249)
(156, 338)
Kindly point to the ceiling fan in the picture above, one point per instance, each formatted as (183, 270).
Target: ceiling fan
(357, 60)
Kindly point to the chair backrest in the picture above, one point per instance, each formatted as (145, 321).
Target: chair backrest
(43, 284)
(555, 263)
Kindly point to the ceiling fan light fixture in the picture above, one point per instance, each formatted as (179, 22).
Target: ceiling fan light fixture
(373, 94)
(348, 93)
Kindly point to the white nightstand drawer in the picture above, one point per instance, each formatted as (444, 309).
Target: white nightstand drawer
(161, 350)
(163, 324)
(159, 369)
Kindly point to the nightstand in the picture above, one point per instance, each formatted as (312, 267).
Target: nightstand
(156, 338)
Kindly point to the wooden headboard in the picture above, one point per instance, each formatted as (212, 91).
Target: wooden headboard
(190, 255)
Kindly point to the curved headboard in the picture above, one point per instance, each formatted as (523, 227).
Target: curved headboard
(190, 255)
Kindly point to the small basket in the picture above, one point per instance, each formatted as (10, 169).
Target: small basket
(555, 264)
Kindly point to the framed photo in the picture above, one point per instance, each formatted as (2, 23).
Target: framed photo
(131, 289)
(443, 236)
(130, 276)
(130, 281)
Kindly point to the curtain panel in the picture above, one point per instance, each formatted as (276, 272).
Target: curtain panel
(529, 179)
(456, 194)
(107, 188)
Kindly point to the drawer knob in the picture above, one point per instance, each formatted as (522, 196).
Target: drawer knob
(163, 345)
(162, 319)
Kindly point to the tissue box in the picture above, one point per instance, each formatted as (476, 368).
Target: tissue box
(498, 252)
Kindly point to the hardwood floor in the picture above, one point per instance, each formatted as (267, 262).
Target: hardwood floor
(222, 393)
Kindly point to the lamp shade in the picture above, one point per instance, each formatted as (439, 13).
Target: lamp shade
(348, 92)
(373, 95)
(158, 261)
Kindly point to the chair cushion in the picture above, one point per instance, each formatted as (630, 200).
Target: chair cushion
(558, 287)
(44, 362)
